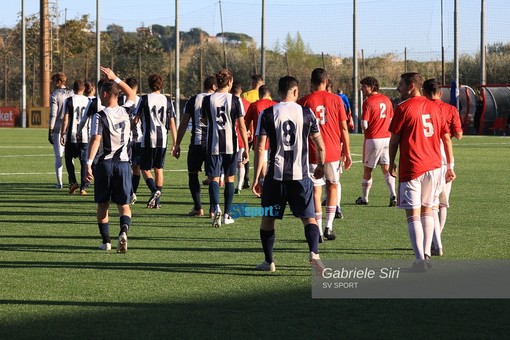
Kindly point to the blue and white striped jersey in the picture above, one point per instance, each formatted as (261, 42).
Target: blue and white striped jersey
(155, 111)
(287, 125)
(113, 125)
(193, 107)
(75, 107)
(222, 110)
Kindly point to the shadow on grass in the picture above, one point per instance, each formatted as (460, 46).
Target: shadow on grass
(267, 314)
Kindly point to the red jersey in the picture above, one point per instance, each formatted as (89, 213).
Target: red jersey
(378, 112)
(253, 113)
(450, 115)
(330, 112)
(418, 122)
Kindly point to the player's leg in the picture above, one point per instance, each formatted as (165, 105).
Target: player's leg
(410, 200)
(58, 151)
(230, 163)
(83, 167)
(241, 171)
(332, 175)
(317, 197)
(431, 186)
(102, 175)
(135, 168)
(159, 165)
(121, 189)
(384, 160)
(196, 156)
(213, 170)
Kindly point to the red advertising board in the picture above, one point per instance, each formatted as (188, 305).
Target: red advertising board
(8, 116)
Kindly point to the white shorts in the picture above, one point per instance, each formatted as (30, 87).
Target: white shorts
(240, 156)
(446, 188)
(331, 173)
(421, 191)
(376, 151)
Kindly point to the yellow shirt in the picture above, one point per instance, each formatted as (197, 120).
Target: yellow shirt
(251, 96)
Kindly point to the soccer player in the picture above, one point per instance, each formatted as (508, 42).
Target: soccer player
(288, 126)
(136, 139)
(432, 90)
(253, 94)
(237, 90)
(376, 116)
(157, 115)
(347, 106)
(252, 117)
(57, 99)
(112, 174)
(197, 150)
(220, 111)
(330, 113)
(417, 128)
(74, 110)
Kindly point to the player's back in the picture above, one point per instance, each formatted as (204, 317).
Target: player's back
(378, 112)
(155, 111)
(75, 107)
(113, 124)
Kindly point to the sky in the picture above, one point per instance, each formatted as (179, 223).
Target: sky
(326, 26)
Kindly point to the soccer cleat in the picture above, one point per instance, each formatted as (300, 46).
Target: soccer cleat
(329, 234)
(316, 263)
(152, 201)
(58, 186)
(133, 199)
(206, 181)
(267, 267)
(393, 202)
(122, 245)
(227, 219)
(237, 192)
(246, 185)
(216, 221)
(436, 252)
(322, 239)
(198, 213)
(359, 201)
(105, 246)
(83, 192)
(73, 187)
(338, 213)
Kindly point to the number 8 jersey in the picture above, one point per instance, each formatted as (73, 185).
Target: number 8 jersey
(287, 125)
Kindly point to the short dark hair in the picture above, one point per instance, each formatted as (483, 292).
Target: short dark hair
(155, 82)
(132, 82)
(431, 87)
(285, 84)
(319, 76)
(110, 87)
(263, 91)
(412, 78)
(59, 77)
(89, 88)
(78, 85)
(370, 81)
(209, 83)
(257, 77)
(237, 88)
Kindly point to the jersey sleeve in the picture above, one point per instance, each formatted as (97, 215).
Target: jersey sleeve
(261, 125)
(97, 127)
(189, 107)
(396, 122)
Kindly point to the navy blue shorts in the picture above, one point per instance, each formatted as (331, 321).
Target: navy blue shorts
(72, 150)
(214, 164)
(151, 158)
(196, 157)
(136, 151)
(112, 182)
(299, 195)
(84, 151)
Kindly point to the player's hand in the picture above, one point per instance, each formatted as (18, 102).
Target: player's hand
(90, 176)
(318, 172)
(50, 137)
(108, 73)
(350, 123)
(347, 160)
(63, 140)
(450, 175)
(246, 157)
(393, 170)
(256, 188)
(176, 151)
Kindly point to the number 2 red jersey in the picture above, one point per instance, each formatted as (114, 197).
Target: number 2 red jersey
(418, 122)
(330, 112)
(378, 112)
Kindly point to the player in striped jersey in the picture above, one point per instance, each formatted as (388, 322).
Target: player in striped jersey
(74, 110)
(288, 126)
(57, 100)
(111, 129)
(220, 111)
(197, 151)
(157, 114)
(449, 113)
(375, 120)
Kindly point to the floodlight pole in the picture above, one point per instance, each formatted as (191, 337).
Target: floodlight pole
(483, 76)
(355, 69)
(98, 45)
(456, 49)
(177, 64)
(23, 67)
(262, 41)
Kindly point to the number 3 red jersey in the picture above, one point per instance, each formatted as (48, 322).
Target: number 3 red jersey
(418, 122)
(330, 112)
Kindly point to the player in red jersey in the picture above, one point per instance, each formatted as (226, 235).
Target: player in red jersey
(449, 113)
(417, 128)
(375, 120)
(252, 116)
(330, 112)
